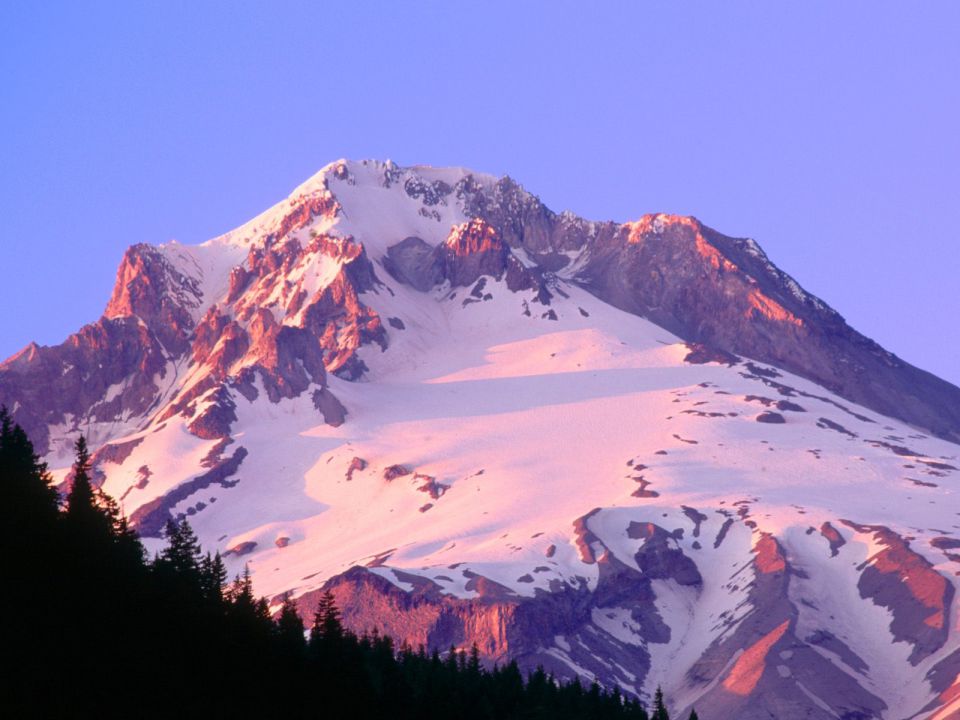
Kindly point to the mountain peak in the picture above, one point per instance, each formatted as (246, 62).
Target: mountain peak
(561, 439)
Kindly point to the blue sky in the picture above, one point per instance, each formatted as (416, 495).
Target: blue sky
(826, 131)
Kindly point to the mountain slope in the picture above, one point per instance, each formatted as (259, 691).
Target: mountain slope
(638, 452)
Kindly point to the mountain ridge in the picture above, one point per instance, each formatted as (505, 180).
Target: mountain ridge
(638, 451)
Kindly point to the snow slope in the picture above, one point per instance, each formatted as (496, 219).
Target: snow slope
(731, 531)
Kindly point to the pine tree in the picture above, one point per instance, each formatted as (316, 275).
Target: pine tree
(659, 709)
(126, 623)
(240, 593)
(29, 495)
(290, 626)
(182, 554)
(326, 621)
(474, 664)
(213, 576)
(31, 543)
(693, 714)
(81, 501)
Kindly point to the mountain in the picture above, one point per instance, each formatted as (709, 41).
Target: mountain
(638, 452)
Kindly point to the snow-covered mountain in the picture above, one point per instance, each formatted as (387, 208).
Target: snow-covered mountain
(638, 452)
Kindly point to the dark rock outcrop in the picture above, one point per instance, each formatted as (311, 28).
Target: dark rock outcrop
(917, 595)
(762, 662)
(414, 262)
(833, 537)
(658, 560)
(720, 293)
(771, 418)
(333, 411)
(471, 251)
(43, 386)
(150, 518)
(243, 548)
(395, 471)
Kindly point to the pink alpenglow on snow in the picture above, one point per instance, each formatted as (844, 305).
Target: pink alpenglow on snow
(638, 452)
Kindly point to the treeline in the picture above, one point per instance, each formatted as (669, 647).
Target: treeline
(93, 628)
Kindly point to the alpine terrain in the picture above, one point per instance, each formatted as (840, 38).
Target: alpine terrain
(635, 452)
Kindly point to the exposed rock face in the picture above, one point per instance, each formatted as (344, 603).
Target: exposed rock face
(506, 626)
(323, 329)
(333, 411)
(719, 292)
(395, 471)
(150, 518)
(833, 537)
(764, 668)
(657, 560)
(227, 365)
(757, 667)
(724, 293)
(415, 263)
(771, 418)
(472, 250)
(150, 288)
(49, 385)
(918, 596)
(149, 324)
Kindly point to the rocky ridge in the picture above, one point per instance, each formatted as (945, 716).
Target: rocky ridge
(266, 382)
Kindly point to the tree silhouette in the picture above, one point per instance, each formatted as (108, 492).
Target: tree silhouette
(164, 637)
(659, 708)
(326, 620)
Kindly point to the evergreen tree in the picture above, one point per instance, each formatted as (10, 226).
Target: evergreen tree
(103, 536)
(240, 593)
(29, 495)
(326, 621)
(213, 576)
(693, 714)
(214, 654)
(81, 502)
(31, 545)
(659, 708)
(474, 663)
(290, 627)
(182, 554)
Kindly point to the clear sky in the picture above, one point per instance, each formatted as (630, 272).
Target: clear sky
(829, 132)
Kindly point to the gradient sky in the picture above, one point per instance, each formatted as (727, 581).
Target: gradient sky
(829, 132)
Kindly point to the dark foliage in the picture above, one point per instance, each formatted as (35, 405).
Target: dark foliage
(91, 628)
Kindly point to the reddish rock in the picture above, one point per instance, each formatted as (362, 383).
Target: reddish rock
(356, 464)
(769, 555)
(833, 537)
(720, 292)
(45, 384)
(904, 581)
(751, 665)
(215, 420)
(150, 288)
(244, 548)
(584, 537)
(430, 486)
(394, 471)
